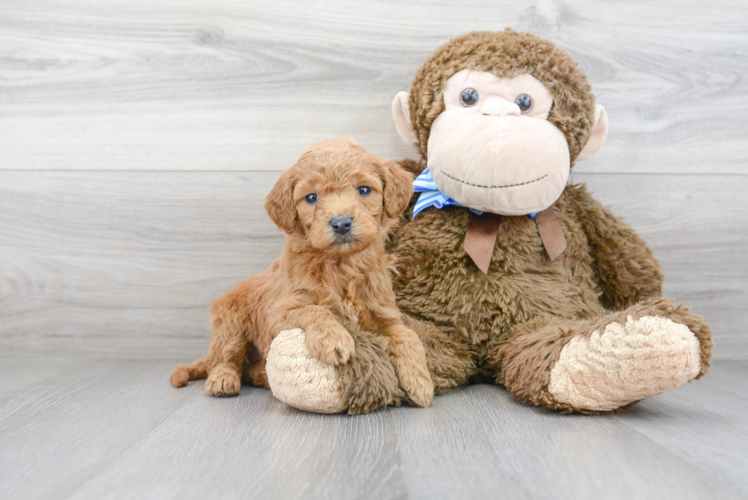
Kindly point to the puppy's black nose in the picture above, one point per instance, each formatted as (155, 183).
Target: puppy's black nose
(341, 224)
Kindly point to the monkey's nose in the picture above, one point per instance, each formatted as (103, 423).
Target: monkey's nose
(341, 224)
(500, 107)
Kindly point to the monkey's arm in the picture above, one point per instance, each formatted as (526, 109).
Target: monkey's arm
(625, 266)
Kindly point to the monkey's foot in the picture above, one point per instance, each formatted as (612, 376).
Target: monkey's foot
(624, 362)
(299, 379)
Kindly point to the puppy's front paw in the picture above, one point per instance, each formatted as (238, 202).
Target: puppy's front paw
(412, 368)
(223, 381)
(416, 381)
(332, 345)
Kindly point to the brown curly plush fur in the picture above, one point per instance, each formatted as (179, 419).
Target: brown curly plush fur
(512, 323)
(370, 378)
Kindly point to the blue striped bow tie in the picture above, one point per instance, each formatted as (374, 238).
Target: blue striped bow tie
(432, 197)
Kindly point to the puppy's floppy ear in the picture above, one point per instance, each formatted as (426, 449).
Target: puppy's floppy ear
(279, 203)
(398, 187)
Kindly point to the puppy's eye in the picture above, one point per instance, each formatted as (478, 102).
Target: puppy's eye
(311, 199)
(364, 190)
(524, 102)
(469, 97)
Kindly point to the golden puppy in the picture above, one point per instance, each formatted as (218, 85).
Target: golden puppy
(337, 206)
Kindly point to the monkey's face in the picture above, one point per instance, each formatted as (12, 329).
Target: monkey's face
(493, 147)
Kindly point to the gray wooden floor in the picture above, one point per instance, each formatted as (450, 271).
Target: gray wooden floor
(85, 428)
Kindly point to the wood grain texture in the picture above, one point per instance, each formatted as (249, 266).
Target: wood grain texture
(127, 263)
(198, 85)
(137, 141)
(116, 428)
(716, 441)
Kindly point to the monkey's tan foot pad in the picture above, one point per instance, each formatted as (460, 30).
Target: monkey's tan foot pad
(625, 363)
(301, 380)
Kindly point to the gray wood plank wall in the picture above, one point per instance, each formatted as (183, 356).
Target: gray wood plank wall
(138, 140)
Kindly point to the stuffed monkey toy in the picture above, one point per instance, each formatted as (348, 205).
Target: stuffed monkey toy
(508, 273)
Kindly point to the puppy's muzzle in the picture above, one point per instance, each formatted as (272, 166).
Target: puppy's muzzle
(341, 224)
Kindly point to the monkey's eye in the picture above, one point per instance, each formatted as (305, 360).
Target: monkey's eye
(363, 190)
(311, 199)
(469, 97)
(524, 102)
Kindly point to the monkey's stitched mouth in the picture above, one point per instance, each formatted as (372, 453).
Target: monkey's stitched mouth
(494, 187)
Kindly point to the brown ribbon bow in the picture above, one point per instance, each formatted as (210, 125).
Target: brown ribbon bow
(483, 229)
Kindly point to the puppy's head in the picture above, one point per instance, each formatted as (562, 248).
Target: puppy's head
(339, 197)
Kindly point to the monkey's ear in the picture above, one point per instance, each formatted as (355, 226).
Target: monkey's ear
(279, 203)
(597, 137)
(401, 114)
(398, 188)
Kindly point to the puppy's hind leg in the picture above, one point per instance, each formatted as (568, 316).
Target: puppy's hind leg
(254, 370)
(224, 379)
(256, 375)
(196, 371)
(229, 345)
